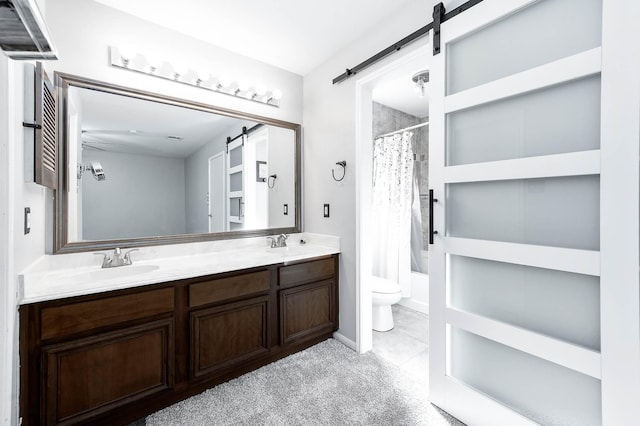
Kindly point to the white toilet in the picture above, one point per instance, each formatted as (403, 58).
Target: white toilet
(385, 293)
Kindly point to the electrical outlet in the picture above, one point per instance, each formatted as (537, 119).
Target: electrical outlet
(326, 210)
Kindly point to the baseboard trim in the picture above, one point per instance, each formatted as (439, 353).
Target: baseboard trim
(344, 340)
(415, 305)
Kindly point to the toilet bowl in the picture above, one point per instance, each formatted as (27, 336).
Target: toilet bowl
(384, 294)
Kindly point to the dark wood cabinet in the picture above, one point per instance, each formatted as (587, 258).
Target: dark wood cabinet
(308, 300)
(87, 376)
(227, 335)
(306, 310)
(114, 357)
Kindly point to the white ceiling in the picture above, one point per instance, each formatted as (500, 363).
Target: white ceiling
(399, 93)
(396, 88)
(293, 35)
(123, 124)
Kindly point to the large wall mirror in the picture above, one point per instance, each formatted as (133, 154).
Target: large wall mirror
(141, 169)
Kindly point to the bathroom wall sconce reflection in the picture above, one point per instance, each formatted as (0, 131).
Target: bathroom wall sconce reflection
(96, 170)
(271, 181)
(342, 164)
(124, 58)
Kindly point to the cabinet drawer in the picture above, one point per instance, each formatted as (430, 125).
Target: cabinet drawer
(228, 288)
(82, 316)
(307, 272)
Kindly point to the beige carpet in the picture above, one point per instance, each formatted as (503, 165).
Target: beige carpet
(327, 384)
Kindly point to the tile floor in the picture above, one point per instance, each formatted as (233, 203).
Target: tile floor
(407, 344)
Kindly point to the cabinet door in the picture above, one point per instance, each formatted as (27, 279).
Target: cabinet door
(307, 311)
(87, 377)
(227, 335)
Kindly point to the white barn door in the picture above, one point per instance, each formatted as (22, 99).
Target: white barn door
(235, 184)
(534, 270)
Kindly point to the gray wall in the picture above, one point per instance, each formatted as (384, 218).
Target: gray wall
(330, 135)
(142, 196)
(197, 178)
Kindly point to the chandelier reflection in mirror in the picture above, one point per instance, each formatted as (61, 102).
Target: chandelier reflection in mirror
(126, 58)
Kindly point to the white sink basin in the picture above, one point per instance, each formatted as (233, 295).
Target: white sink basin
(117, 272)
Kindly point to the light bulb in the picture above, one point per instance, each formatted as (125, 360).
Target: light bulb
(154, 63)
(419, 87)
(261, 90)
(202, 77)
(223, 81)
(243, 85)
(277, 94)
(180, 71)
(127, 55)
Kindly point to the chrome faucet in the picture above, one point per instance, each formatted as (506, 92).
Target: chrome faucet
(117, 259)
(279, 241)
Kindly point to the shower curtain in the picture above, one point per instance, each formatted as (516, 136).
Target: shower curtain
(392, 201)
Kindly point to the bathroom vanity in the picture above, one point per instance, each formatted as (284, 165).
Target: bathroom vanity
(114, 356)
(203, 299)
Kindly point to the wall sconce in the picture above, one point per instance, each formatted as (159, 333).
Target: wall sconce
(129, 59)
(96, 170)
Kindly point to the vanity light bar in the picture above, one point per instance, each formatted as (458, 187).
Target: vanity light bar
(133, 61)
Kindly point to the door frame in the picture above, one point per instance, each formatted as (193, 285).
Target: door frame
(620, 212)
(364, 187)
(8, 279)
(221, 154)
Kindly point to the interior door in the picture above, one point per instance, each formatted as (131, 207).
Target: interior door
(517, 335)
(217, 190)
(235, 184)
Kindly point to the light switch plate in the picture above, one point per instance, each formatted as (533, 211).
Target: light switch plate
(27, 220)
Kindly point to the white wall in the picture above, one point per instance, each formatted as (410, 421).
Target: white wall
(7, 298)
(20, 250)
(82, 31)
(142, 196)
(330, 136)
(281, 156)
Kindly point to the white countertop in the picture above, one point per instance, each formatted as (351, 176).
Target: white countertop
(66, 275)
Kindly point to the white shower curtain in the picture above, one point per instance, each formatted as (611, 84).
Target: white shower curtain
(391, 202)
